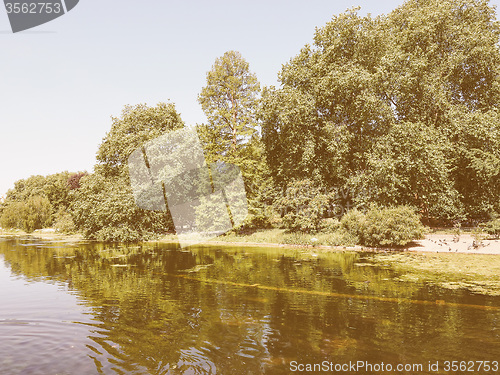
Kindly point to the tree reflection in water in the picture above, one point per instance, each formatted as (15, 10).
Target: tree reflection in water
(157, 309)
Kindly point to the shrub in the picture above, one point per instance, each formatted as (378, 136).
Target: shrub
(393, 226)
(12, 215)
(341, 238)
(492, 227)
(352, 223)
(329, 225)
(104, 209)
(34, 213)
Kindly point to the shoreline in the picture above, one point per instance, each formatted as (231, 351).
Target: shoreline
(431, 244)
(417, 248)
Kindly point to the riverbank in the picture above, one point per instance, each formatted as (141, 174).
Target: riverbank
(432, 243)
(45, 234)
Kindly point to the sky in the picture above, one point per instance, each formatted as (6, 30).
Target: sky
(61, 82)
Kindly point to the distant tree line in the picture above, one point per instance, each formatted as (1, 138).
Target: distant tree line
(397, 110)
(41, 201)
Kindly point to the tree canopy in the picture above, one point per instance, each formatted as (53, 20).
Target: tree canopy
(105, 208)
(406, 103)
(34, 202)
(229, 100)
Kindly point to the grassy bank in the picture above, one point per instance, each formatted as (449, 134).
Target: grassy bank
(280, 237)
(43, 234)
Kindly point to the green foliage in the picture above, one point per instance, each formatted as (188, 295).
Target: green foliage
(12, 215)
(492, 227)
(37, 213)
(404, 104)
(34, 213)
(63, 222)
(211, 216)
(353, 224)
(104, 208)
(329, 225)
(341, 238)
(229, 101)
(401, 109)
(476, 162)
(303, 206)
(392, 226)
(137, 125)
(54, 187)
(411, 165)
(327, 114)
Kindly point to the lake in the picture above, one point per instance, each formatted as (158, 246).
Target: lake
(93, 308)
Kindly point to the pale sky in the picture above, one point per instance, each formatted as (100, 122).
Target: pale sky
(61, 82)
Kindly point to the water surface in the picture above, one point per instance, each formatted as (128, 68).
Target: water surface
(157, 309)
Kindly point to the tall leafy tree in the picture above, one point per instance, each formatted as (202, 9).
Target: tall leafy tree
(328, 113)
(230, 101)
(105, 208)
(137, 125)
(406, 103)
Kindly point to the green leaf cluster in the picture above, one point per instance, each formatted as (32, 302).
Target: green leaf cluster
(230, 101)
(104, 208)
(389, 226)
(303, 206)
(47, 193)
(34, 213)
(405, 105)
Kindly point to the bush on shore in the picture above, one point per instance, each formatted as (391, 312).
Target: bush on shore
(492, 227)
(378, 227)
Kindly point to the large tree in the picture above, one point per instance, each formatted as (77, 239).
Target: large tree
(105, 208)
(137, 125)
(406, 103)
(230, 101)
